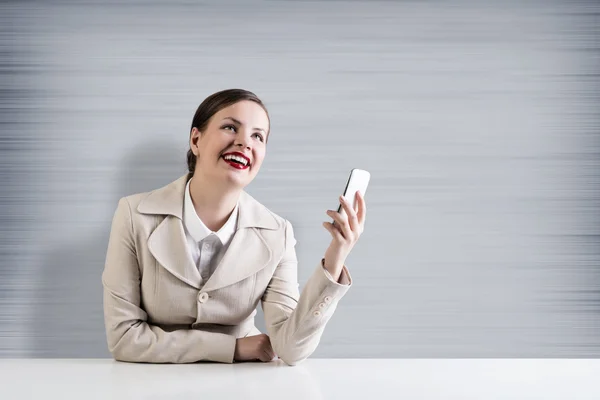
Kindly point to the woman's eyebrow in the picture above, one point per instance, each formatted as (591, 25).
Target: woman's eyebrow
(239, 123)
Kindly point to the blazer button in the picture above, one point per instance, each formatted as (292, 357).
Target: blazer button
(317, 313)
(321, 305)
(203, 297)
(327, 299)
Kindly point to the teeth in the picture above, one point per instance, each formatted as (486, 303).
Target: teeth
(236, 158)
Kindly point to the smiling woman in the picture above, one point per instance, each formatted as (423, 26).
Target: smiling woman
(188, 264)
(226, 115)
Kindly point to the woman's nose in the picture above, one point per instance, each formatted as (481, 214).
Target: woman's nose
(243, 141)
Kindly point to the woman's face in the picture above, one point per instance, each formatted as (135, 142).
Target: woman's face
(241, 128)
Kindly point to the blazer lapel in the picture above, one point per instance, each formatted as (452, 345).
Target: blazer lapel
(168, 245)
(247, 254)
(248, 251)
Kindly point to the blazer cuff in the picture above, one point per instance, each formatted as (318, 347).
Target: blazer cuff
(345, 278)
(321, 284)
(221, 349)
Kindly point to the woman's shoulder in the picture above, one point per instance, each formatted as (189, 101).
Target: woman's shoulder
(258, 214)
(134, 200)
(167, 199)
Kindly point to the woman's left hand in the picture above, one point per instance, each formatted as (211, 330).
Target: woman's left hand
(345, 233)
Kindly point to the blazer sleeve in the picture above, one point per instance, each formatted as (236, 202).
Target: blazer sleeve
(130, 337)
(295, 321)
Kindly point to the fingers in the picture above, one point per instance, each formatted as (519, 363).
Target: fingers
(267, 355)
(350, 213)
(254, 348)
(341, 224)
(264, 357)
(335, 233)
(266, 352)
(362, 209)
(348, 223)
(269, 352)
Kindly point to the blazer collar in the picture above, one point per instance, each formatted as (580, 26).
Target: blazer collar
(167, 243)
(168, 200)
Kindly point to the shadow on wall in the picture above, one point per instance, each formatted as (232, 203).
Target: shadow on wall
(69, 320)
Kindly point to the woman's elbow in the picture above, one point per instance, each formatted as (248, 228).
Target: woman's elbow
(293, 356)
(293, 352)
(121, 349)
(119, 354)
(291, 361)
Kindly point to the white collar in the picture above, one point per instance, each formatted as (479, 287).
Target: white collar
(197, 229)
(168, 200)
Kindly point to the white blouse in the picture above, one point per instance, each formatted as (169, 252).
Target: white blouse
(205, 246)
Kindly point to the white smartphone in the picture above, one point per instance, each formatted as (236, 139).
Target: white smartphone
(357, 181)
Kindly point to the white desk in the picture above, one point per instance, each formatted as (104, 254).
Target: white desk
(313, 379)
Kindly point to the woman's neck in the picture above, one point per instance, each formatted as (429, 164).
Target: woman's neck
(213, 203)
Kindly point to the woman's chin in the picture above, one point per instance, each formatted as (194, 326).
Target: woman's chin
(238, 178)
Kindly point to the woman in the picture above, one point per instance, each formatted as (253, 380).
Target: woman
(187, 264)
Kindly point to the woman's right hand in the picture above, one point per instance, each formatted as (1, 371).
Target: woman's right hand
(254, 348)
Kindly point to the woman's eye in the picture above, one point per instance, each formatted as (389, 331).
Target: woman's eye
(259, 136)
(229, 126)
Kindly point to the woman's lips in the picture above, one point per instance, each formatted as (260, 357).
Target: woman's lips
(235, 164)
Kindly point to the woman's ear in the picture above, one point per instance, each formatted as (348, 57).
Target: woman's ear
(194, 136)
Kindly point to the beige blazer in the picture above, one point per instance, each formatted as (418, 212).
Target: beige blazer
(156, 310)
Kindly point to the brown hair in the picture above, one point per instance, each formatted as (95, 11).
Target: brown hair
(212, 105)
